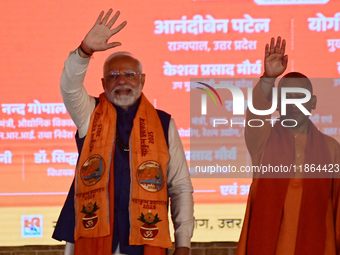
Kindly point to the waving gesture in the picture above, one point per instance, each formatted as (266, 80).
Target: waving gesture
(97, 38)
(275, 59)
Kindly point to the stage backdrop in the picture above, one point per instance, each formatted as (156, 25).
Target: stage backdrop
(176, 40)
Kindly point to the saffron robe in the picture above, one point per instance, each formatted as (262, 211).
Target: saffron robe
(256, 140)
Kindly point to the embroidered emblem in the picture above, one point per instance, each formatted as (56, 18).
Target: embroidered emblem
(90, 219)
(149, 176)
(92, 170)
(149, 230)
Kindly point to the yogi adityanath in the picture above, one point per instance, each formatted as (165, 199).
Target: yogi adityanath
(297, 212)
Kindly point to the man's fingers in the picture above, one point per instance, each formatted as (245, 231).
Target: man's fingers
(99, 19)
(272, 41)
(285, 61)
(112, 45)
(277, 46)
(117, 29)
(283, 48)
(266, 52)
(113, 20)
(106, 17)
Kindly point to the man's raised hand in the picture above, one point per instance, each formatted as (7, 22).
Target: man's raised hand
(275, 60)
(97, 38)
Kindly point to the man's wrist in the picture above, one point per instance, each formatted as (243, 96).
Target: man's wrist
(182, 251)
(79, 59)
(82, 54)
(84, 51)
(268, 80)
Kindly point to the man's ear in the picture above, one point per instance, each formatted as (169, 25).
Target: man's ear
(142, 81)
(314, 101)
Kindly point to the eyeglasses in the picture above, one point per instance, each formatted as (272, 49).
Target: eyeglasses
(114, 76)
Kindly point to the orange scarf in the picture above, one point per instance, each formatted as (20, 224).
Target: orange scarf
(94, 190)
(266, 212)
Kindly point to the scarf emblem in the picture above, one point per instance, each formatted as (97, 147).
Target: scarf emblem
(149, 176)
(149, 230)
(92, 170)
(90, 219)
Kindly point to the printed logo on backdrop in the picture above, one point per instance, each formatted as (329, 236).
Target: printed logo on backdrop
(31, 225)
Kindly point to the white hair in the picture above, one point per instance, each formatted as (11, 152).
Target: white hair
(120, 54)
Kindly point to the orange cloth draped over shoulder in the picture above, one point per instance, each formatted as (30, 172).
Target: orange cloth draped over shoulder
(270, 196)
(94, 191)
(290, 216)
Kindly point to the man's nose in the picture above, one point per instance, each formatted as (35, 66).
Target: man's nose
(121, 79)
